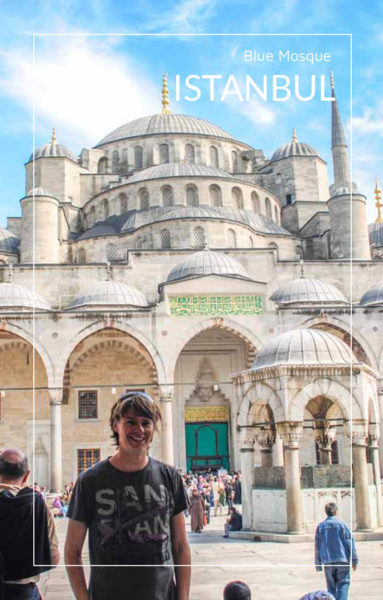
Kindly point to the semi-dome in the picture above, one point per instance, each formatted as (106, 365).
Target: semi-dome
(207, 262)
(52, 150)
(374, 296)
(167, 170)
(109, 293)
(375, 231)
(19, 297)
(304, 347)
(294, 148)
(9, 242)
(308, 291)
(165, 124)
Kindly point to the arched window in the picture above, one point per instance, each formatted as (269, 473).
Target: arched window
(139, 243)
(138, 157)
(143, 197)
(276, 215)
(268, 208)
(234, 161)
(165, 239)
(199, 238)
(255, 202)
(105, 206)
(237, 197)
(164, 153)
(102, 166)
(189, 153)
(215, 195)
(231, 239)
(191, 196)
(213, 155)
(115, 161)
(123, 201)
(81, 256)
(167, 196)
(111, 252)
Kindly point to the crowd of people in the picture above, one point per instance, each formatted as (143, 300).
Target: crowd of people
(133, 508)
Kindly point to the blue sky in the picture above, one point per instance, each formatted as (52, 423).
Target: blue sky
(87, 85)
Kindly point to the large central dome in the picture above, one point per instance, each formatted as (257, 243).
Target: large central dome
(165, 123)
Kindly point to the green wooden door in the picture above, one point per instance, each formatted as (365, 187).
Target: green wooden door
(207, 445)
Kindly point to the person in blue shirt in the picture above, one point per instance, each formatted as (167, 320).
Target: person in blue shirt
(335, 549)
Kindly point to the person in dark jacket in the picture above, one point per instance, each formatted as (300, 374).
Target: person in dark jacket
(21, 545)
(234, 522)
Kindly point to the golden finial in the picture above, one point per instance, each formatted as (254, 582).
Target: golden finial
(53, 140)
(378, 202)
(332, 81)
(165, 95)
(295, 139)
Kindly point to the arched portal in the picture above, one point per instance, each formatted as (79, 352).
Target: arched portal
(24, 398)
(99, 369)
(206, 398)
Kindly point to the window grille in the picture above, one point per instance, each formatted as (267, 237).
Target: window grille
(199, 238)
(87, 404)
(111, 252)
(87, 457)
(165, 239)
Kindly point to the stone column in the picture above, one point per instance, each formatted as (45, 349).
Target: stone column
(56, 440)
(324, 436)
(278, 455)
(380, 402)
(246, 448)
(291, 434)
(266, 439)
(373, 447)
(166, 398)
(360, 472)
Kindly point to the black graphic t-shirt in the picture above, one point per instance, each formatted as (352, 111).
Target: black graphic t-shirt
(129, 516)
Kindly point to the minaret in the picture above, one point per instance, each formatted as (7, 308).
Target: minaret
(349, 237)
(338, 145)
(165, 95)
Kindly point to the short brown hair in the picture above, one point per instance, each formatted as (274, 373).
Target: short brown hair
(141, 403)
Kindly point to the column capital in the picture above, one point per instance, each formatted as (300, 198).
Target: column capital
(246, 439)
(266, 438)
(373, 435)
(55, 396)
(166, 393)
(290, 432)
(358, 432)
(324, 434)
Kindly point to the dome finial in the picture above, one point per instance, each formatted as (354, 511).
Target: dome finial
(378, 202)
(54, 139)
(108, 271)
(10, 274)
(165, 95)
(302, 264)
(295, 139)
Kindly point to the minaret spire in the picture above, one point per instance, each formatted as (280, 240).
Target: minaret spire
(338, 144)
(165, 95)
(378, 202)
(294, 139)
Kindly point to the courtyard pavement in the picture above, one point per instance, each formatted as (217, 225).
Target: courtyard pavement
(273, 571)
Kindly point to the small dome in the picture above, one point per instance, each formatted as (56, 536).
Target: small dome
(52, 150)
(9, 242)
(39, 191)
(308, 291)
(375, 231)
(109, 293)
(165, 124)
(374, 296)
(294, 148)
(304, 347)
(206, 262)
(14, 296)
(168, 170)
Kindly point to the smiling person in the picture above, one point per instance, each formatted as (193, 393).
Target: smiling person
(133, 507)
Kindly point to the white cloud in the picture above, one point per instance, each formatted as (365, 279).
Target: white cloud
(255, 110)
(189, 16)
(82, 87)
(371, 121)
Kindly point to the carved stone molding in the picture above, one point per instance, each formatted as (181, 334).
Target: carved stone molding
(290, 433)
(247, 439)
